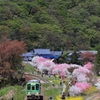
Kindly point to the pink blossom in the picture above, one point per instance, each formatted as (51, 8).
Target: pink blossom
(62, 74)
(89, 66)
(41, 59)
(82, 86)
(74, 90)
(48, 63)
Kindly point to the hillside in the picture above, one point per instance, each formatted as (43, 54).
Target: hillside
(54, 24)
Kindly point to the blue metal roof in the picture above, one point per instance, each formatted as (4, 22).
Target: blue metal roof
(49, 56)
(28, 54)
(42, 51)
(58, 53)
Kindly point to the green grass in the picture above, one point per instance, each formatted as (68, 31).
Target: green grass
(46, 85)
(5, 90)
(29, 68)
(49, 90)
(52, 92)
(19, 92)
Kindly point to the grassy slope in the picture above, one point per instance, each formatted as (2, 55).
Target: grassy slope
(19, 92)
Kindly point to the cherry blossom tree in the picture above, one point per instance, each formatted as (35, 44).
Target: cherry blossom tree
(82, 74)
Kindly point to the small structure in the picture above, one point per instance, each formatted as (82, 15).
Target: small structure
(43, 53)
(28, 56)
(57, 54)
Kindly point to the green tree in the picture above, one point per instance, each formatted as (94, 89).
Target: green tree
(63, 57)
(97, 63)
(74, 58)
(72, 22)
(4, 33)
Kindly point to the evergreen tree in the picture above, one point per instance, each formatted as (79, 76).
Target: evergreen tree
(97, 63)
(63, 57)
(74, 58)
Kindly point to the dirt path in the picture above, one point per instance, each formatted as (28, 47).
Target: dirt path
(91, 97)
(42, 93)
(94, 97)
(97, 97)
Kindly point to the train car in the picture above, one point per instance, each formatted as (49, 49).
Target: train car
(33, 90)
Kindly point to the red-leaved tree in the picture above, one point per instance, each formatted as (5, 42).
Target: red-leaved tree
(88, 57)
(11, 57)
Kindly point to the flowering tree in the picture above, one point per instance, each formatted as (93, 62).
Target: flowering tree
(80, 73)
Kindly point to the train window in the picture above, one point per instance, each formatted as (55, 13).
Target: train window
(28, 86)
(32, 87)
(37, 86)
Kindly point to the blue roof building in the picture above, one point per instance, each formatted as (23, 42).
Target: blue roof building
(42, 51)
(28, 56)
(46, 53)
(57, 54)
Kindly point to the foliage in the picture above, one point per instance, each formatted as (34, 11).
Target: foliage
(10, 57)
(63, 57)
(48, 23)
(97, 63)
(74, 58)
(88, 57)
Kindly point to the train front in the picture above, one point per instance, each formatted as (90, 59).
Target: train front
(33, 90)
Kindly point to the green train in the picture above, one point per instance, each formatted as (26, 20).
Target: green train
(33, 90)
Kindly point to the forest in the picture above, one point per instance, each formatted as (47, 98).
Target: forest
(53, 24)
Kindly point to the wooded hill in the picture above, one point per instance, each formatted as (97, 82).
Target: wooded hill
(54, 24)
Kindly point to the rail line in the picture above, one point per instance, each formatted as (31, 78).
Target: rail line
(31, 76)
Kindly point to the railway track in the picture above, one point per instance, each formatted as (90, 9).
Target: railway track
(32, 76)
